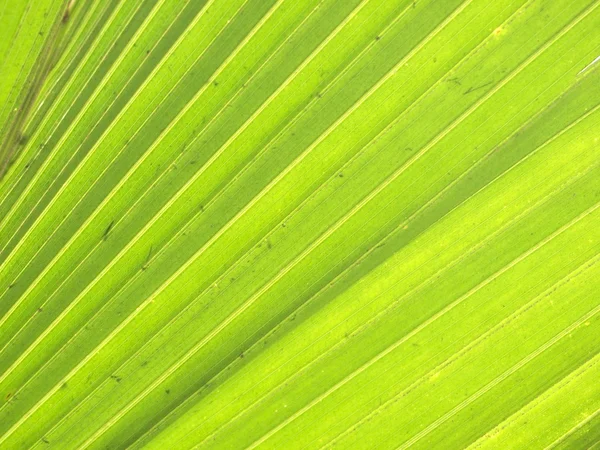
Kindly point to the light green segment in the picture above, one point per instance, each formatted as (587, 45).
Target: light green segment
(558, 411)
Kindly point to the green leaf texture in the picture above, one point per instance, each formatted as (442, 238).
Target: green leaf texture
(300, 224)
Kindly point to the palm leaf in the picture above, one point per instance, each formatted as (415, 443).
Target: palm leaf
(300, 224)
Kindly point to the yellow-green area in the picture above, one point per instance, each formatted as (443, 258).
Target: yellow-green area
(300, 224)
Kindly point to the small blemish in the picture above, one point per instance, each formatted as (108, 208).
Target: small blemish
(107, 231)
(476, 88)
(148, 258)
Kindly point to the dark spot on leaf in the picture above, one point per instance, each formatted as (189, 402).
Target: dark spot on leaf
(107, 231)
(377, 38)
(116, 378)
(148, 257)
(167, 391)
(45, 441)
(144, 364)
(341, 175)
(64, 385)
(476, 88)
(216, 83)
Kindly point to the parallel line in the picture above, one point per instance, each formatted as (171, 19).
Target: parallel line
(464, 350)
(500, 378)
(422, 326)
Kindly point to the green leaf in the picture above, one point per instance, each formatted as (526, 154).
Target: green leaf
(300, 224)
